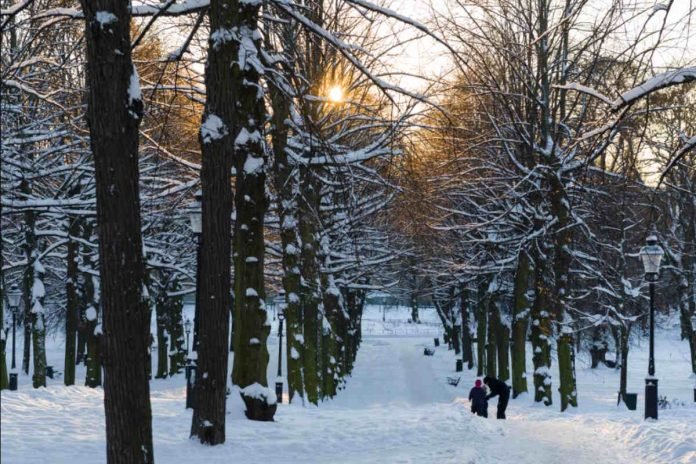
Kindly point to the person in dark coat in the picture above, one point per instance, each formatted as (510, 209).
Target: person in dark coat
(477, 397)
(500, 389)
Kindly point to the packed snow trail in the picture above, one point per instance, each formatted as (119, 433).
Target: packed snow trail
(396, 408)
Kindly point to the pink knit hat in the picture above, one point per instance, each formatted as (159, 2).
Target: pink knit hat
(478, 383)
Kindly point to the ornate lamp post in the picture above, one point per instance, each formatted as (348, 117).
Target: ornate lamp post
(651, 254)
(280, 309)
(14, 296)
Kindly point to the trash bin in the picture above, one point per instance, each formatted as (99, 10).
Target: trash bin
(631, 400)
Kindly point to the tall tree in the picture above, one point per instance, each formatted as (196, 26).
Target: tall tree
(213, 300)
(115, 110)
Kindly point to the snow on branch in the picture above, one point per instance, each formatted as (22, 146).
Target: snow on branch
(588, 90)
(138, 9)
(658, 82)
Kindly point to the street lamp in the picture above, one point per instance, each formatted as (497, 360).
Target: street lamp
(14, 296)
(280, 305)
(190, 368)
(651, 254)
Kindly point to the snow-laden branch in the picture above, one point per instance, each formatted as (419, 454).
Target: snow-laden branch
(661, 81)
(658, 82)
(138, 9)
(587, 90)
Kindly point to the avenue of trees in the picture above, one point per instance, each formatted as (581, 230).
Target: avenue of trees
(513, 195)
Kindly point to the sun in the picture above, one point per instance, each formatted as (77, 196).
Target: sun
(336, 94)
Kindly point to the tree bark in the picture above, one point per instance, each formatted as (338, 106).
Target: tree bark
(162, 335)
(623, 348)
(493, 314)
(4, 378)
(114, 114)
(310, 296)
(541, 333)
(520, 323)
(175, 327)
(558, 298)
(503, 348)
(72, 306)
(467, 349)
(38, 328)
(219, 127)
(90, 294)
(30, 254)
(252, 325)
(286, 186)
(481, 323)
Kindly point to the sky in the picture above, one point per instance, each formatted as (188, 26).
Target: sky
(425, 56)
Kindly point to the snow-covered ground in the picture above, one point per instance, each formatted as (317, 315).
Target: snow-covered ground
(397, 408)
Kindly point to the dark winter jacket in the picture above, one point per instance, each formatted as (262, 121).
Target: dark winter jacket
(497, 387)
(477, 396)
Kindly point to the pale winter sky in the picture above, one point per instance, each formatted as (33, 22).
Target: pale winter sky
(424, 56)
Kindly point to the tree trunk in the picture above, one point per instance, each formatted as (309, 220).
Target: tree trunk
(520, 322)
(566, 366)
(219, 128)
(30, 254)
(330, 345)
(114, 114)
(503, 347)
(162, 335)
(541, 333)
(558, 298)
(4, 378)
(175, 327)
(286, 185)
(72, 304)
(38, 327)
(457, 338)
(251, 329)
(93, 377)
(310, 285)
(623, 376)
(81, 338)
(84, 299)
(481, 326)
(414, 305)
(493, 314)
(687, 285)
(467, 350)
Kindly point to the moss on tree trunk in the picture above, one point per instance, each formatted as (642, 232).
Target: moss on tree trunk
(520, 324)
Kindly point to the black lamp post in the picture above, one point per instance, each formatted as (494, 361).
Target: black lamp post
(190, 368)
(280, 309)
(14, 296)
(651, 254)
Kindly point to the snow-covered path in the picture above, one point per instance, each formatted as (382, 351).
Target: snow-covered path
(432, 421)
(397, 408)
